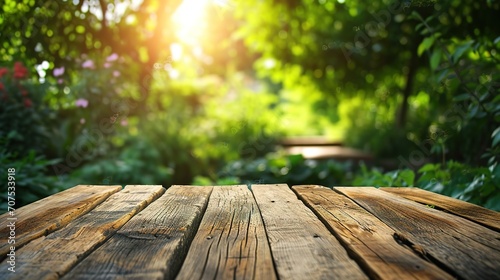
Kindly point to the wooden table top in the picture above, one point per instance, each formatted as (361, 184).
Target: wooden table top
(262, 232)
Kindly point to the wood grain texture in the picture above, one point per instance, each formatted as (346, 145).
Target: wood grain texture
(51, 213)
(367, 237)
(153, 244)
(461, 208)
(49, 257)
(231, 242)
(465, 248)
(302, 247)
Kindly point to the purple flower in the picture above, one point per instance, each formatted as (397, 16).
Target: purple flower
(107, 65)
(88, 64)
(60, 81)
(112, 57)
(58, 71)
(82, 103)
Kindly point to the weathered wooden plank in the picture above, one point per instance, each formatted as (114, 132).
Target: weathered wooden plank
(231, 242)
(153, 244)
(464, 209)
(301, 245)
(465, 248)
(50, 256)
(369, 239)
(51, 213)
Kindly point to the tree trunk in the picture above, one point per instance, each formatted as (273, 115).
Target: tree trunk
(410, 77)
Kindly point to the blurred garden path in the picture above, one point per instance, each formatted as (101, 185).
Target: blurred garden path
(319, 147)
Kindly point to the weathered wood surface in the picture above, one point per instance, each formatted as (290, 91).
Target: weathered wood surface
(51, 256)
(220, 232)
(231, 242)
(153, 244)
(369, 239)
(465, 248)
(51, 213)
(467, 210)
(301, 245)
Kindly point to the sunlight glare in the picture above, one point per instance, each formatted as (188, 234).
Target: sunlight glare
(189, 20)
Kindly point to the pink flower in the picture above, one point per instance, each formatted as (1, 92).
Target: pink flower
(112, 57)
(58, 71)
(82, 120)
(124, 122)
(60, 81)
(82, 103)
(107, 65)
(88, 64)
(116, 73)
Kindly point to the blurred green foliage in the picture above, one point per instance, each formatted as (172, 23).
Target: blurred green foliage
(478, 185)
(137, 163)
(31, 180)
(24, 117)
(287, 169)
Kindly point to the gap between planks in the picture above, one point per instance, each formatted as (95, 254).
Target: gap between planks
(51, 213)
(370, 241)
(53, 255)
(154, 243)
(467, 249)
(302, 247)
(472, 212)
(231, 242)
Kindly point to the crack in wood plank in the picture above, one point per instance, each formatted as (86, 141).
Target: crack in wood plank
(52, 213)
(302, 247)
(153, 243)
(475, 257)
(367, 238)
(231, 241)
(52, 256)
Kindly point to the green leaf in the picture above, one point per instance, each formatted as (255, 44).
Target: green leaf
(415, 15)
(477, 183)
(473, 111)
(436, 58)
(296, 159)
(461, 97)
(425, 45)
(496, 137)
(443, 75)
(493, 202)
(428, 167)
(461, 50)
(408, 176)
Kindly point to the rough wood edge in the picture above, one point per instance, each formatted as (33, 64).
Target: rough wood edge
(453, 229)
(31, 211)
(60, 265)
(488, 218)
(367, 255)
(333, 262)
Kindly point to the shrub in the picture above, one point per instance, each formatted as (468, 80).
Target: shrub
(478, 185)
(139, 162)
(31, 180)
(23, 113)
(279, 168)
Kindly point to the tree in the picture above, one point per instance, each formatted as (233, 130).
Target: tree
(371, 49)
(61, 31)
